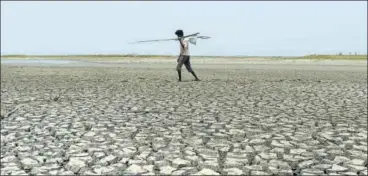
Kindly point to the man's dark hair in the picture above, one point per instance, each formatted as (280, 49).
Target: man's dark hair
(179, 33)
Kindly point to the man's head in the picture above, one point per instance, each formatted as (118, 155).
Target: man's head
(179, 33)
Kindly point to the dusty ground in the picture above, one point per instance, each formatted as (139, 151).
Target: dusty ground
(249, 120)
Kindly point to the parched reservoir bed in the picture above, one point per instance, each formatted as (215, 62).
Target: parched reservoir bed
(119, 119)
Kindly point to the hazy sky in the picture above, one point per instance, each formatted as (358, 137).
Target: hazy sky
(237, 28)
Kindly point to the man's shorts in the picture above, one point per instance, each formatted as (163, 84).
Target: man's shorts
(184, 60)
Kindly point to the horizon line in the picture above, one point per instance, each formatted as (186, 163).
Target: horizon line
(167, 55)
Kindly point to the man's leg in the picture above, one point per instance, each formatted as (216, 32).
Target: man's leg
(178, 67)
(195, 76)
(179, 74)
(189, 68)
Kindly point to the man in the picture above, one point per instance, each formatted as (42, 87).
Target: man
(184, 57)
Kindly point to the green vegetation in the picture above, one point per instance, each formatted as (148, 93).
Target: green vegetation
(335, 57)
(86, 56)
(131, 56)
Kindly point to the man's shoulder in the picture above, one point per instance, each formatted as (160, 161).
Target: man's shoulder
(186, 41)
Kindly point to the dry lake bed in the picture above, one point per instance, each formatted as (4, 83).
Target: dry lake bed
(243, 118)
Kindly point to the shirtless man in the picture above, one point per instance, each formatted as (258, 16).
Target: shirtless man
(184, 57)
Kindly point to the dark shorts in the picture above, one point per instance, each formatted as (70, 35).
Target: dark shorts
(186, 61)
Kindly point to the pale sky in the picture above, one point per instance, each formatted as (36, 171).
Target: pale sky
(237, 28)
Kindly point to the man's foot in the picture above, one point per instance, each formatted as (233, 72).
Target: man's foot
(197, 79)
(195, 76)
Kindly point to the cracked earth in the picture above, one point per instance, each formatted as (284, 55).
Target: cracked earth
(99, 121)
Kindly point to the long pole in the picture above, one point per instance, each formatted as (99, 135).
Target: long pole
(191, 35)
